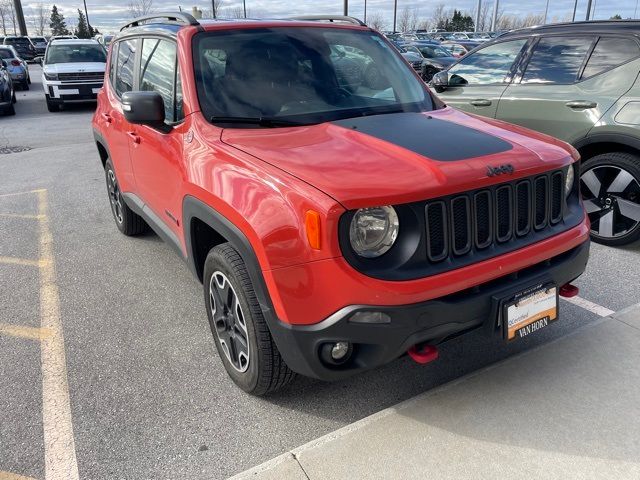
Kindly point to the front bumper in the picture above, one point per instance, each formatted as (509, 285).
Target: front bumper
(63, 92)
(430, 321)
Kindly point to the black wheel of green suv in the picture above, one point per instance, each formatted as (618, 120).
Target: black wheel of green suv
(127, 221)
(241, 335)
(610, 185)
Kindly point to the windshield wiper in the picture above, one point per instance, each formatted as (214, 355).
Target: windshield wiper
(262, 121)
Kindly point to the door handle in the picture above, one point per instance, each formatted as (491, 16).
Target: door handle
(107, 118)
(134, 137)
(581, 104)
(481, 102)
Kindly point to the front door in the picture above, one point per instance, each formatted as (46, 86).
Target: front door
(477, 82)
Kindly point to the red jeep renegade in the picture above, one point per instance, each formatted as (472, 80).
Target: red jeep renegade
(337, 213)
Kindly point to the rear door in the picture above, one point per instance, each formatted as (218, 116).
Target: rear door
(569, 82)
(477, 82)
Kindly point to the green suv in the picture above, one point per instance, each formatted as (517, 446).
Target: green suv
(578, 82)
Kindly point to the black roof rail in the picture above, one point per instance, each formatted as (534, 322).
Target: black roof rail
(330, 18)
(172, 17)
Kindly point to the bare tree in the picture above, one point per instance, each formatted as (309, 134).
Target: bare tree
(235, 12)
(376, 21)
(138, 8)
(40, 18)
(407, 19)
(4, 15)
(440, 15)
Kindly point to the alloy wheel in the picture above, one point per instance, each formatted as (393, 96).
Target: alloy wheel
(229, 321)
(114, 196)
(611, 197)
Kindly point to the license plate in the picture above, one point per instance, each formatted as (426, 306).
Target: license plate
(530, 311)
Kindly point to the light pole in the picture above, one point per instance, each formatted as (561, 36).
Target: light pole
(475, 27)
(86, 15)
(588, 10)
(346, 7)
(213, 8)
(395, 11)
(494, 19)
(244, 7)
(365, 11)
(17, 7)
(575, 7)
(546, 11)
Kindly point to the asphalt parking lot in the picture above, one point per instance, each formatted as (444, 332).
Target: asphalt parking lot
(121, 322)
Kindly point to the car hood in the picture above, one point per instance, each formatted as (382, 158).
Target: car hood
(400, 158)
(442, 61)
(89, 67)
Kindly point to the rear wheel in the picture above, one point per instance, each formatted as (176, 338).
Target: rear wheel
(241, 335)
(25, 85)
(610, 185)
(127, 221)
(10, 110)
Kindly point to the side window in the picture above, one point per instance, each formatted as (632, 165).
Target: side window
(158, 72)
(557, 60)
(112, 63)
(124, 68)
(491, 65)
(609, 53)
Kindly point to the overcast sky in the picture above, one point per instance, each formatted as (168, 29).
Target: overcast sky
(108, 14)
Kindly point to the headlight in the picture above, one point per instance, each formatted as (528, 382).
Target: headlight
(51, 76)
(568, 181)
(373, 231)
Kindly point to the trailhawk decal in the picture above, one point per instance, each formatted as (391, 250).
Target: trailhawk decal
(427, 136)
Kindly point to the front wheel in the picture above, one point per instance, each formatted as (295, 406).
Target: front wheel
(241, 335)
(610, 185)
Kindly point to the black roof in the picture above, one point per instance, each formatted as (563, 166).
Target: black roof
(592, 26)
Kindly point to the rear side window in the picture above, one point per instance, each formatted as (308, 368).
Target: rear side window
(124, 66)
(113, 60)
(609, 53)
(491, 65)
(557, 60)
(158, 72)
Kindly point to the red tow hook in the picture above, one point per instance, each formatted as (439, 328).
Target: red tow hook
(424, 354)
(567, 290)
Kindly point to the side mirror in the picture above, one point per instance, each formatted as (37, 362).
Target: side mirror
(143, 108)
(440, 81)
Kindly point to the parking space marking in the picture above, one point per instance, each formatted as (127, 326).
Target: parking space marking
(13, 194)
(32, 333)
(589, 306)
(59, 443)
(13, 476)
(22, 261)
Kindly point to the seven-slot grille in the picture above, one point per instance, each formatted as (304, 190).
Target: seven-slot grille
(477, 219)
(81, 77)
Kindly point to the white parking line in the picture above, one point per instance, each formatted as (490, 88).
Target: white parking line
(589, 306)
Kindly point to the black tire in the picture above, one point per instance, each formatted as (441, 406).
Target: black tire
(264, 370)
(13, 97)
(613, 206)
(127, 221)
(25, 85)
(10, 110)
(52, 107)
(29, 80)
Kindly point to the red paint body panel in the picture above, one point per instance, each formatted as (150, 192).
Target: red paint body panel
(264, 180)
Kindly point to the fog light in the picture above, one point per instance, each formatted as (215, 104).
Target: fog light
(370, 317)
(340, 350)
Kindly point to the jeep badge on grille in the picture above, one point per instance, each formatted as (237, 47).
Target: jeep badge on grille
(500, 169)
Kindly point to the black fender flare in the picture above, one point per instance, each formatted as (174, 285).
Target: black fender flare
(621, 138)
(192, 208)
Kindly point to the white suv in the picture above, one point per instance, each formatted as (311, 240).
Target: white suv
(72, 71)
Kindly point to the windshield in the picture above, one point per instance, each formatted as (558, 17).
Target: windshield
(412, 49)
(75, 54)
(303, 75)
(434, 51)
(17, 41)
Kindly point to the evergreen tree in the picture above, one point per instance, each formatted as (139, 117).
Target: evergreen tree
(82, 30)
(57, 24)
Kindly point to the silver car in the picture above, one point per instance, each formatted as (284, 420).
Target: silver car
(17, 68)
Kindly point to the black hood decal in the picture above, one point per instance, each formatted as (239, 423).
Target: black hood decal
(427, 136)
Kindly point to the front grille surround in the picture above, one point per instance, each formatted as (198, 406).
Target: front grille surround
(81, 77)
(461, 229)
